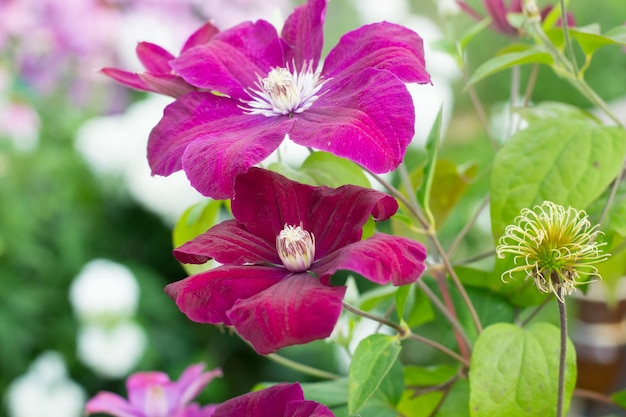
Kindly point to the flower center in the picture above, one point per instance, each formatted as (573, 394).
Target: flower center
(296, 248)
(284, 91)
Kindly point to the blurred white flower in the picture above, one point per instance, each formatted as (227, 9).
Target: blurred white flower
(45, 390)
(104, 289)
(227, 13)
(112, 352)
(115, 146)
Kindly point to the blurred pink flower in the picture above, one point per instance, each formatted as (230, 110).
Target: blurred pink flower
(152, 394)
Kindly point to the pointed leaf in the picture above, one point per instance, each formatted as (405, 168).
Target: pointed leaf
(372, 360)
(514, 371)
(196, 220)
(432, 147)
(534, 55)
(567, 161)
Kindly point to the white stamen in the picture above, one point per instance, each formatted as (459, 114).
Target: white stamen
(285, 91)
(296, 248)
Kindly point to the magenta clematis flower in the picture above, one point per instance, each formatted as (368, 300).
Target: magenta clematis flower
(279, 253)
(353, 104)
(152, 394)
(159, 77)
(497, 10)
(282, 400)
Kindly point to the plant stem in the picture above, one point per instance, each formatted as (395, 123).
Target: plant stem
(467, 227)
(440, 348)
(535, 311)
(437, 302)
(432, 236)
(305, 369)
(562, 355)
(568, 39)
(405, 332)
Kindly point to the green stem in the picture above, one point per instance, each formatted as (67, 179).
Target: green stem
(562, 356)
(467, 226)
(305, 369)
(566, 36)
(405, 332)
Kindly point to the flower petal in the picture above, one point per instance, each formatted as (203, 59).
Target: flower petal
(268, 402)
(213, 162)
(168, 84)
(146, 391)
(266, 201)
(193, 380)
(381, 259)
(215, 140)
(228, 243)
(113, 404)
(383, 45)
(129, 79)
(368, 119)
(207, 296)
(307, 409)
(233, 60)
(304, 31)
(153, 57)
(201, 36)
(296, 310)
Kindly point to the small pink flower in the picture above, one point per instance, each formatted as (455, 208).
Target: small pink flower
(152, 394)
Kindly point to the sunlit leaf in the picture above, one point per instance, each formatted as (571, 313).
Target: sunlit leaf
(514, 371)
(372, 360)
(532, 55)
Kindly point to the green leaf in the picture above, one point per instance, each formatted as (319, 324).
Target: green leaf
(372, 360)
(514, 371)
(589, 37)
(554, 110)
(456, 403)
(385, 400)
(402, 294)
(534, 55)
(330, 393)
(620, 398)
(327, 169)
(432, 147)
(196, 220)
(567, 161)
(451, 182)
(419, 399)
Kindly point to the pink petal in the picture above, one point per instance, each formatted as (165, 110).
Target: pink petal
(168, 84)
(154, 58)
(193, 381)
(140, 390)
(214, 141)
(113, 404)
(371, 125)
(296, 310)
(129, 79)
(268, 402)
(206, 297)
(201, 36)
(304, 32)
(233, 59)
(307, 409)
(228, 243)
(213, 162)
(381, 258)
(384, 46)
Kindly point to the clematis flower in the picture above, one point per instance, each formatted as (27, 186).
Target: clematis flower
(159, 77)
(279, 253)
(497, 10)
(553, 245)
(152, 394)
(281, 400)
(354, 104)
